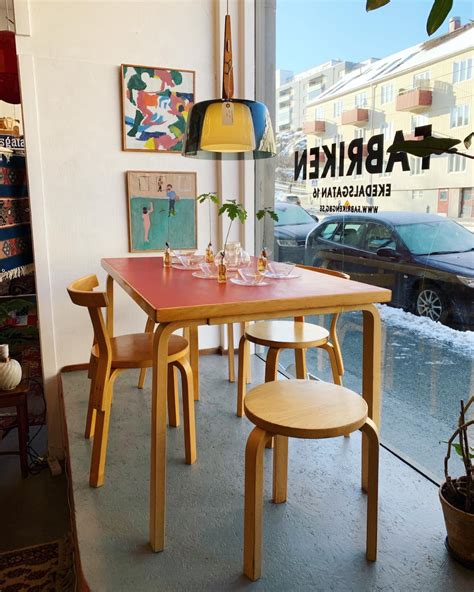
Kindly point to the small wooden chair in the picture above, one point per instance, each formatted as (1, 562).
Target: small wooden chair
(299, 409)
(109, 357)
(296, 335)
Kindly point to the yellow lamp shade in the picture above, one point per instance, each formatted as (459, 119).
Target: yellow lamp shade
(227, 127)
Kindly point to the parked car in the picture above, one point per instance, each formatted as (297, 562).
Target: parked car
(293, 199)
(291, 230)
(426, 260)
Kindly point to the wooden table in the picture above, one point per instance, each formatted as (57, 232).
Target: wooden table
(174, 299)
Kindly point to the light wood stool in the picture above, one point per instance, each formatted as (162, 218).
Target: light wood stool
(299, 409)
(296, 335)
(112, 355)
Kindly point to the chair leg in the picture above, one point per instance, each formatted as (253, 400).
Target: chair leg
(242, 374)
(230, 351)
(99, 448)
(253, 505)
(336, 377)
(22, 418)
(149, 326)
(190, 447)
(173, 400)
(271, 373)
(91, 412)
(280, 469)
(243, 327)
(370, 430)
(300, 363)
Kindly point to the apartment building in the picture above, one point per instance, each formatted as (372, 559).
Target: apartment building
(430, 84)
(295, 92)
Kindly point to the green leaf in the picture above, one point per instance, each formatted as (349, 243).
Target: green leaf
(233, 210)
(267, 211)
(425, 147)
(468, 140)
(438, 14)
(208, 197)
(457, 448)
(374, 4)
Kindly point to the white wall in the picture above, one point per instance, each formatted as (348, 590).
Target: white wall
(69, 54)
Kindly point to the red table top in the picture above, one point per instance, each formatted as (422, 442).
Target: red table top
(171, 294)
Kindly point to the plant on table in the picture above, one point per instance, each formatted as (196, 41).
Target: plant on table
(457, 495)
(167, 257)
(234, 211)
(211, 198)
(263, 259)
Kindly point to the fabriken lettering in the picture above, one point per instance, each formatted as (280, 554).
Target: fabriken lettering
(336, 156)
(377, 190)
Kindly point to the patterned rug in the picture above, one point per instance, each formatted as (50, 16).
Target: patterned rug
(47, 568)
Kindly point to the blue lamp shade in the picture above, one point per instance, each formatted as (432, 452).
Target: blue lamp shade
(229, 129)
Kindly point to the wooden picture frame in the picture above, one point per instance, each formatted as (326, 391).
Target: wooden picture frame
(156, 102)
(154, 217)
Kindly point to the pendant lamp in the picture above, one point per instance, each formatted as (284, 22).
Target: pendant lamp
(228, 128)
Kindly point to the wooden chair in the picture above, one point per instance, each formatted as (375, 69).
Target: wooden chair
(109, 357)
(296, 335)
(299, 409)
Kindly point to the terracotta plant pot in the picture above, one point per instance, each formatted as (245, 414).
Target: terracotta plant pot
(460, 529)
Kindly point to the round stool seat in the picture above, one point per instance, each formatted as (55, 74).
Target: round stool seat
(305, 409)
(287, 334)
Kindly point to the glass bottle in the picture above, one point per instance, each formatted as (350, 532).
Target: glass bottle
(222, 270)
(262, 261)
(167, 256)
(209, 257)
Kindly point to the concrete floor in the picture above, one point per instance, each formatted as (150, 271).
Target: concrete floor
(316, 541)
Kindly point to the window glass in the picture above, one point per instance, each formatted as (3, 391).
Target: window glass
(327, 230)
(349, 234)
(379, 236)
(289, 215)
(460, 115)
(436, 237)
(462, 70)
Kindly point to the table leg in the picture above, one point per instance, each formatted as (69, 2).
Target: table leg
(194, 358)
(22, 415)
(158, 435)
(110, 308)
(371, 368)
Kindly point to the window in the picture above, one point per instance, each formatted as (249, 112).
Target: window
(327, 230)
(417, 194)
(421, 79)
(462, 70)
(415, 166)
(443, 195)
(379, 236)
(359, 133)
(337, 108)
(430, 237)
(361, 100)
(284, 116)
(387, 130)
(417, 121)
(319, 113)
(386, 94)
(456, 163)
(314, 92)
(338, 138)
(349, 234)
(459, 115)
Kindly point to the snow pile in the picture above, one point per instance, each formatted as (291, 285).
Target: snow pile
(462, 341)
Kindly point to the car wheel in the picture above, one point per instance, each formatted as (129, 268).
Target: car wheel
(431, 302)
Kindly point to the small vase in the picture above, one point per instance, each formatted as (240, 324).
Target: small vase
(209, 257)
(167, 256)
(262, 261)
(222, 272)
(10, 370)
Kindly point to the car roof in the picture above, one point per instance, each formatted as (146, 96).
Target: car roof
(390, 217)
(280, 205)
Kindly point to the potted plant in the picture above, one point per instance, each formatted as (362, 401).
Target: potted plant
(210, 198)
(457, 495)
(263, 258)
(233, 211)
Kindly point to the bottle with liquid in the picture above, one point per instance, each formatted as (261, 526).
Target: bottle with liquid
(209, 257)
(262, 261)
(222, 269)
(167, 256)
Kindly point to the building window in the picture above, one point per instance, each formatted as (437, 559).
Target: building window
(415, 166)
(462, 70)
(422, 79)
(284, 116)
(338, 138)
(319, 113)
(387, 130)
(443, 195)
(386, 93)
(337, 109)
(456, 163)
(314, 92)
(361, 100)
(359, 133)
(417, 194)
(417, 121)
(459, 115)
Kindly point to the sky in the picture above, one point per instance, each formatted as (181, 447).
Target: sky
(310, 32)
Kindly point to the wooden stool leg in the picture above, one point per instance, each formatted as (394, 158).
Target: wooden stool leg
(188, 411)
(280, 469)
(271, 373)
(22, 418)
(370, 430)
(243, 327)
(194, 358)
(300, 363)
(336, 377)
(91, 413)
(230, 351)
(242, 374)
(173, 400)
(99, 448)
(149, 326)
(253, 505)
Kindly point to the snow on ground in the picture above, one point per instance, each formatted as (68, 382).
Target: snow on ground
(462, 341)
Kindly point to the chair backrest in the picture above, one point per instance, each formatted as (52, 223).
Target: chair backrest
(81, 293)
(333, 272)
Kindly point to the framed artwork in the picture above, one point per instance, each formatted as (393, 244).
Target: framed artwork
(161, 208)
(155, 107)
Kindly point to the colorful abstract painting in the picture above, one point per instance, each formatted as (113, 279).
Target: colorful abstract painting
(156, 104)
(161, 208)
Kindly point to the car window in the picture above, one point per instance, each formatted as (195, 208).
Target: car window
(436, 237)
(292, 215)
(378, 236)
(327, 230)
(349, 234)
